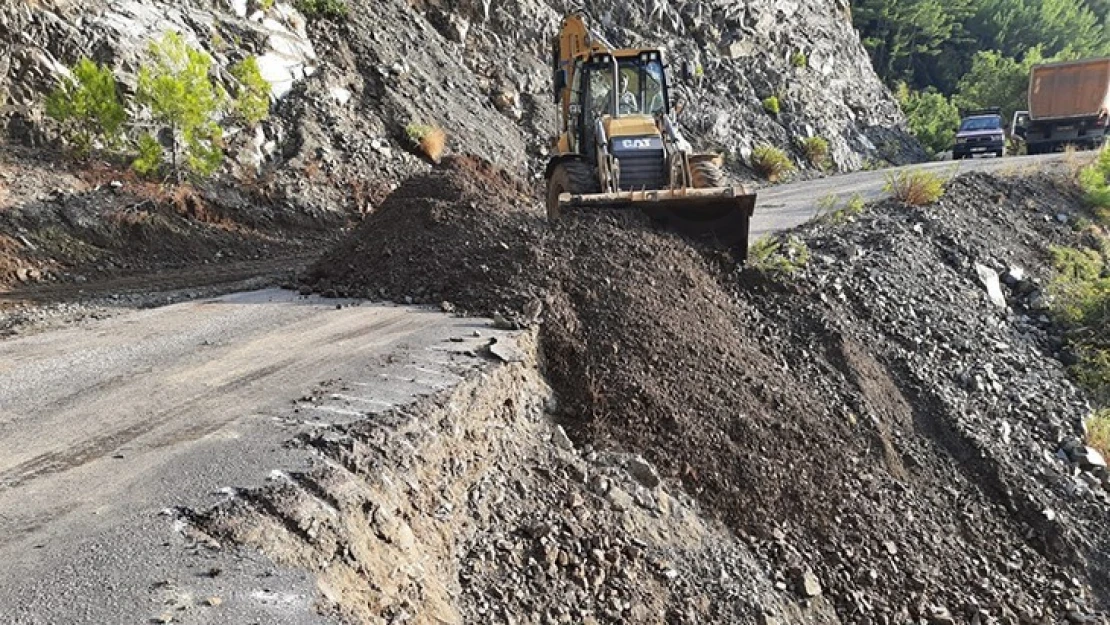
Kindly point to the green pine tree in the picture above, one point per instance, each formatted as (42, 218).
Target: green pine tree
(182, 98)
(87, 106)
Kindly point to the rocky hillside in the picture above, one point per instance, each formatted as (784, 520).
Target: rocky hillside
(349, 86)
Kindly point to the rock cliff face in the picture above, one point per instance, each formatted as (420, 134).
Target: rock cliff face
(347, 88)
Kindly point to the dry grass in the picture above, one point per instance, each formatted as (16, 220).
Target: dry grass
(1098, 432)
(433, 143)
(189, 203)
(916, 187)
(771, 162)
(312, 170)
(816, 150)
(1075, 160)
(430, 140)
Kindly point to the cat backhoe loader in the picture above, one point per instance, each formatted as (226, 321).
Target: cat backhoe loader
(619, 147)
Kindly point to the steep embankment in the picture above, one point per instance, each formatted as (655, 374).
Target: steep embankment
(872, 431)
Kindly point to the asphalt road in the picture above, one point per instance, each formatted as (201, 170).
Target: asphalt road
(786, 206)
(106, 426)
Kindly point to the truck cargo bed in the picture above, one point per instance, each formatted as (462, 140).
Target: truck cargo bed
(1069, 90)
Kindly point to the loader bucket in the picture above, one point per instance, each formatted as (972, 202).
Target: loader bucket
(721, 214)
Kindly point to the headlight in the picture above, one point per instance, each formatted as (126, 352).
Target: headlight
(999, 137)
(961, 140)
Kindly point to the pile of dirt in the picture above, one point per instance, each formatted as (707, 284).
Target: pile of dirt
(873, 421)
(465, 234)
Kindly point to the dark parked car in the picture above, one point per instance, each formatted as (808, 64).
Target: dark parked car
(980, 133)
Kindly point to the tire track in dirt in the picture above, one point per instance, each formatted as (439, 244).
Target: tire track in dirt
(157, 281)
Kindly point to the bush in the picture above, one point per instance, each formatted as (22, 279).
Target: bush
(180, 96)
(771, 105)
(1095, 182)
(1081, 301)
(855, 205)
(431, 140)
(87, 106)
(771, 162)
(827, 208)
(770, 255)
(149, 161)
(932, 118)
(816, 151)
(1098, 432)
(799, 60)
(253, 98)
(917, 187)
(323, 9)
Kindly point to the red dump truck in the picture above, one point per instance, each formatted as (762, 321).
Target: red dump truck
(1069, 104)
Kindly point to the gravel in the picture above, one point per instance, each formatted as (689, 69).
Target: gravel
(875, 420)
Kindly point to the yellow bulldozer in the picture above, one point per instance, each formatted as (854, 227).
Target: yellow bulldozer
(619, 146)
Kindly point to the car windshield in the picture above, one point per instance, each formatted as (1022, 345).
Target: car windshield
(640, 88)
(982, 123)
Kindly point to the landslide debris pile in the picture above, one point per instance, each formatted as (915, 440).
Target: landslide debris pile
(493, 259)
(874, 425)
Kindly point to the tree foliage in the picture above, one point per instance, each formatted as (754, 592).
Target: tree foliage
(932, 118)
(323, 9)
(934, 43)
(87, 106)
(181, 97)
(253, 97)
(997, 80)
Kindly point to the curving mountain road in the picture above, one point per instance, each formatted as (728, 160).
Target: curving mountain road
(788, 205)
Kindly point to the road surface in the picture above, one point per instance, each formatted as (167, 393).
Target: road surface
(789, 205)
(104, 426)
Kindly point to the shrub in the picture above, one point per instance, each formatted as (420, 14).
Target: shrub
(917, 187)
(181, 96)
(932, 118)
(855, 205)
(827, 208)
(827, 204)
(266, 5)
(431, 140)
(1094, 181)
(771, 105)
(87, 106)
(149, 160)
(771, 162)
(773, 256)
(253, 98)
(799, 60)
(1098, 432)
(1081, 301)
(816, 150)
(323, 9)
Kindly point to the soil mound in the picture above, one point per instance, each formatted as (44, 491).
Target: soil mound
(875, 428)
(465, 233)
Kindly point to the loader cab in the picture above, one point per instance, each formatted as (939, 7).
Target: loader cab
(641, 95)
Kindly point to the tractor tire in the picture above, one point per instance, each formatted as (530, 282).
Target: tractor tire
(706, 175)
(574, 177)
